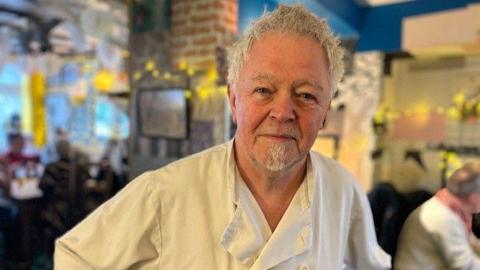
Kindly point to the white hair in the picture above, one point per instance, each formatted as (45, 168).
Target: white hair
(289, 19)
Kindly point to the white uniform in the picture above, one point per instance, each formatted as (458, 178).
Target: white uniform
(197, 213)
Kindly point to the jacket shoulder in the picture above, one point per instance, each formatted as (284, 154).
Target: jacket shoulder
(209, 164)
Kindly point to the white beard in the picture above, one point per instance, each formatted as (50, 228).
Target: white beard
(277, 158)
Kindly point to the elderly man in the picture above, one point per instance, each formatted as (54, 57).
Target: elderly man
(260, 201)
(438, 234)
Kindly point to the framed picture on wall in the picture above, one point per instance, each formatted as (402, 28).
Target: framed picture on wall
(163, 113)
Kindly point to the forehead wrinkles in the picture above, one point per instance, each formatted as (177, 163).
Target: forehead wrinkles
(265, 77)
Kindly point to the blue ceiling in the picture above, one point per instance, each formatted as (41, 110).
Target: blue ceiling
(375, 28)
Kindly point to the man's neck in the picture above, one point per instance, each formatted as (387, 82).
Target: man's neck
(273, 190)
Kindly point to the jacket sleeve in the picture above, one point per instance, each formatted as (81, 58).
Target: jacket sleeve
(455, 245)
(123, 232)
(363, 251)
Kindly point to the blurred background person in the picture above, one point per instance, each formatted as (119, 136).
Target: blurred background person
(15, 155)
(438, 234)
(63, 187)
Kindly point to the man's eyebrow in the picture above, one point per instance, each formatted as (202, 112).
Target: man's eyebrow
(316, 85)
(264, 77)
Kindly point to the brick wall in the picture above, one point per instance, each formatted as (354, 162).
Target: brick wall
(198, 27)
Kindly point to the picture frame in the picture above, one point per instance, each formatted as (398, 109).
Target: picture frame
(163, 113)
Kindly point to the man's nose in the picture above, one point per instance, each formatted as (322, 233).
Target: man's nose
(283, 108)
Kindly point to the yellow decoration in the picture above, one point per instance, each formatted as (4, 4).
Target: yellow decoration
(137, 75)
(155, 73)
(190, 71)
(223, 89)
(459, 99)
(421, 108)
(183, 65)
(422, 113)
(453, 113)
(167, 76)
(103, 80)
(469, 104)
(37, 90)
(212, 75)
(379, 116)
(451, 162)
(203, 93)
(150, 65)
(188, 94)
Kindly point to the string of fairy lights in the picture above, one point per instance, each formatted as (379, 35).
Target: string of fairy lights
(463, 109)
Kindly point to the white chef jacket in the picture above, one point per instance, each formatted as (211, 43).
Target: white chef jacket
(197, 213)
(434, 238)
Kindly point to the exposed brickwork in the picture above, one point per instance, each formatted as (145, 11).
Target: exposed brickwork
(198, 27)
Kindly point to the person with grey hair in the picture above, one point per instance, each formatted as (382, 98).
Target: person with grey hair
(262, 200)
(438, 234)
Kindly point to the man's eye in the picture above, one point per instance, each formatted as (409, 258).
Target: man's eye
(262, 91)
(307, 97)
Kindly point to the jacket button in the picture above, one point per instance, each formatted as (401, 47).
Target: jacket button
(250, 262)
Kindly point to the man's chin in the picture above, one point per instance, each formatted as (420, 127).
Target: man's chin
(274, 165)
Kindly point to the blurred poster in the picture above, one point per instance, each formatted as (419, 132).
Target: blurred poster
(430, 127)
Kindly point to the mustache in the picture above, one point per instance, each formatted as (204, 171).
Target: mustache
(290, 132)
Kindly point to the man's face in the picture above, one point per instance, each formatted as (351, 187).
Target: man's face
(17, 145)
(280, 100)
(475, 202)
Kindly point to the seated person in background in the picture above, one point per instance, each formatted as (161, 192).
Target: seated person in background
(15, 155)
(438, 234)
(9, 223)
(63, 193)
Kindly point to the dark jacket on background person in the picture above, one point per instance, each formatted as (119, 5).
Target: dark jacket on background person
(62, 185)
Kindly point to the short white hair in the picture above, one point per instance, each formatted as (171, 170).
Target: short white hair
(289, 19)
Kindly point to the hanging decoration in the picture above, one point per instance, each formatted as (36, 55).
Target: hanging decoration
(103, 80)
(466, 109)
(37, 90)
(380, 121)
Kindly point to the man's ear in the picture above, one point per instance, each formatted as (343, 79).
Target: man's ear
(231, 100)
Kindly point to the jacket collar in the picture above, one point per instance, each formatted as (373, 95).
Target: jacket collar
(244, 236)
